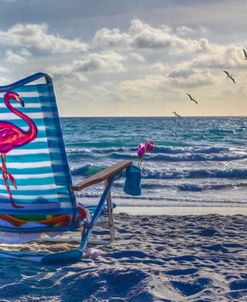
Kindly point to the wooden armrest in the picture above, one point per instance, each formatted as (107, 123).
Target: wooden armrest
(105, 174)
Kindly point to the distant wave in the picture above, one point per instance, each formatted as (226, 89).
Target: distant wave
(176, 150)
(171, 154)
(203, 187)
(193, 187)
(182, 157)
(99, 150)
(86, 170)
(200, 173)
(175, 157)
(157, 150)
(89, 169)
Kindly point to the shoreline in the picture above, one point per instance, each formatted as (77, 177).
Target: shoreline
(179, 211)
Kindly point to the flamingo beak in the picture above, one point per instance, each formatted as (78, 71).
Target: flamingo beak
(19, 99)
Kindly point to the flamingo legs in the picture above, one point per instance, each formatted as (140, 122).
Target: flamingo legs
(7, 175)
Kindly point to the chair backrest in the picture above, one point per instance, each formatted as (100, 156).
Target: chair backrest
(35, 180)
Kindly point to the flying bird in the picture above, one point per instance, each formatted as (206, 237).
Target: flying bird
(176, 119)
(191, 98)
(12, 137)
(245, 54)
(176, 114)
(229, 76)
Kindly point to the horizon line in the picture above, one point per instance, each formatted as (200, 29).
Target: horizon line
(144, 116)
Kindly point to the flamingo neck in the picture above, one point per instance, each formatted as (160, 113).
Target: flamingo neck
(32, 132)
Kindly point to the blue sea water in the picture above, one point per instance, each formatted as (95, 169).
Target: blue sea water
(197, 161)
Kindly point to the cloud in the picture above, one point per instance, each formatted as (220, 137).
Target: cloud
(191, 78)
(17, 58)
(107, 62)
(184, 30)
(184, 75)
(3, 69)
(143, 87)
(144, 36)
(36, 36)
(137, 57)
(4, 80)
(141, 37)
(111, 38)
(228, 56)
(157, 84)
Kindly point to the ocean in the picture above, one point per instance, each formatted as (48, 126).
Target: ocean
(197, 161)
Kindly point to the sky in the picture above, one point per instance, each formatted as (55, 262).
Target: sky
(130, 58)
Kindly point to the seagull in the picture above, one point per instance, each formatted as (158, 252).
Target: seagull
(177, 120)
(176, 114)
(229, 76)
(191, 98)
(245, 54)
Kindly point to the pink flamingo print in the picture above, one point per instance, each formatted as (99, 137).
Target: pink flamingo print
(12, 137)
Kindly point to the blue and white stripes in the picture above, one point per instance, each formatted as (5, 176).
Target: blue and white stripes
(40, 167)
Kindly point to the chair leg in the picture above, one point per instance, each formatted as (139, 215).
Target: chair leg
(89, 227)
(110, 218)
(110, 215)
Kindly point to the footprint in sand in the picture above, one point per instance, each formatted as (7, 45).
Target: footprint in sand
(182, 272)
(189, 289)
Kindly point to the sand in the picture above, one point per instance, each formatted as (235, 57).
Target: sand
(155, 258)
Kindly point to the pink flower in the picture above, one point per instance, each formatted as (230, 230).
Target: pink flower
(141, 150)
(149, 145)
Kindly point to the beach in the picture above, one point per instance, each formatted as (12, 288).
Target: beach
(87, 87)
(154, 258)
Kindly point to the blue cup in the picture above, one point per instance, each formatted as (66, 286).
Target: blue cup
(132, 185)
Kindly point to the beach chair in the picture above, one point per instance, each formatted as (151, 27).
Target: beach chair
(36, 192)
